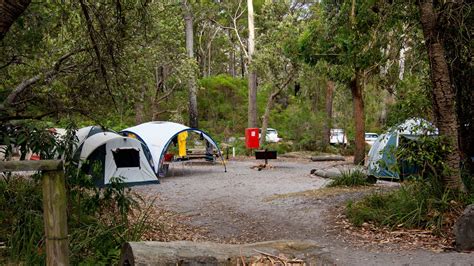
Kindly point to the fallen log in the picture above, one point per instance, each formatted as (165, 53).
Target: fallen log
(304, 252)
(42, 165)
(322, 158)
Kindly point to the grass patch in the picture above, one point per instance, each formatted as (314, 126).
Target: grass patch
(417, 204)
(319, 193)
(351, 178)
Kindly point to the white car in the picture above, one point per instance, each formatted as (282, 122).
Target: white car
(271, 136)
(337, 137)
(370, 138)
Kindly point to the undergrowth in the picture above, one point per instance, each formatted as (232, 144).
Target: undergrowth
(351, 178)
(99, 220)
(417, 204)
(424, 202)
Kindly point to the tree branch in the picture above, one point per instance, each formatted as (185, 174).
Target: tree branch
(27, 83)
(13, 60)
(90, 29)
(9, 12)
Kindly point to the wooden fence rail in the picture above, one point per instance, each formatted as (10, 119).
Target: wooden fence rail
(54, 205)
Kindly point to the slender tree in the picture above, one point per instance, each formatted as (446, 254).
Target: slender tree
(330, 86)
(252, 75)
(192, 88)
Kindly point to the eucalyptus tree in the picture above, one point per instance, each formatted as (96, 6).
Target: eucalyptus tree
(444, 97)
(192, 87)
(75, 58)
(252, 75)
(350, 35)
(276, 60)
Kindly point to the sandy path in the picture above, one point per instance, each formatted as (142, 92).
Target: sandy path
(235, 207)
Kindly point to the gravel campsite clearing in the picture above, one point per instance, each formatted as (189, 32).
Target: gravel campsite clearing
(244, 205)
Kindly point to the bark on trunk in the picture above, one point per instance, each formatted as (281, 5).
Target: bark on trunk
(160, 77)
(252, 77)
(359, 119)
(328, 123)
(232, 67)
(192, 95)
(242, 63)
(268, 108)
(10, 10)
(266, 116)
(139, 107)
(443, 93)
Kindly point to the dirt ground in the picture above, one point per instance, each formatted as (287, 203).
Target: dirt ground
(245, 205)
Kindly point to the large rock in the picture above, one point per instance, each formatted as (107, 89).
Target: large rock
(464, 230)
(207, 253)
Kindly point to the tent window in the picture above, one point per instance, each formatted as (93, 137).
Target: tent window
(126, 157)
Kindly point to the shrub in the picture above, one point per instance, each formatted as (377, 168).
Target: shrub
(351, 179)
(424, 202)
(98, 219)
(415, 205)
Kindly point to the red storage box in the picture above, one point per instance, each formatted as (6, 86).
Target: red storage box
(251, 138)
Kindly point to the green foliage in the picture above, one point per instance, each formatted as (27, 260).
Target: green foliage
(21, 213)
(298, 124)
(280, 147)
(351, 179)
(28, 137)
(418, 204)
(222, 104)
(98, 219)
(426, 154)
(422, 203)
(412, 100)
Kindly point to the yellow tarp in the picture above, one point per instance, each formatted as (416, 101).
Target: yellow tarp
(182, 143)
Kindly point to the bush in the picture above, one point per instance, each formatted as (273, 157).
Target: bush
(280, 147)
(351, 179)
(424, 202)
(223, 104)
(415, 205)
(98, 219)
(98, 222)
(22, 220)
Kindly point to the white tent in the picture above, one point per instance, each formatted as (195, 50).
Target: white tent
(116, 156)
(158, 135)
(83, 133)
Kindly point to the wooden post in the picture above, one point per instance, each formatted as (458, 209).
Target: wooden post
(55, 218)
(54, 206)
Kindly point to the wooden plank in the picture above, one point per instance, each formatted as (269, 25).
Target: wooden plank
(55, 218)
(42, 165)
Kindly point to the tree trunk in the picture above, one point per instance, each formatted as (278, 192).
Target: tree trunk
(242, 63)
(443, 93)
(252, 77)
(159, 87)
(139, 106)
(232, 70)
(268, 108)
(359, 119)
(192, 88)
(328, 122)
(10, 10)
(266, 117)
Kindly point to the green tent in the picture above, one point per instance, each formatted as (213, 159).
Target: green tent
(381, 160)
